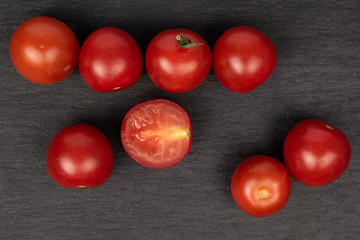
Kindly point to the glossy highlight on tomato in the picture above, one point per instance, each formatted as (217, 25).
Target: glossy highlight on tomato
(178, 60)
(110, 60)
(44, 50)
(80, 156)
(261, 186)
(157, 133)
(243, 59)
(316, 153)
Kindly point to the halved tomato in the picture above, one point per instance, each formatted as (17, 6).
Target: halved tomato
(157, 133)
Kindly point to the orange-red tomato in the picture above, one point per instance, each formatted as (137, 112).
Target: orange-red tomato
(178, 60)
(243, 58)
(157, 133)
(80, 156)
(261, 186)
(110, 60)
(44, 50)
(316, 153)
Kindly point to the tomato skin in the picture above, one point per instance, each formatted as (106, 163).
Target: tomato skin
(175, 69)
(157, 133)
(243, 59)
(80, 156)
(110, 60)
(258, 175)
(44, 50)
(316, 153)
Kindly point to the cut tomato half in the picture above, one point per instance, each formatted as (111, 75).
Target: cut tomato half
(157, 133)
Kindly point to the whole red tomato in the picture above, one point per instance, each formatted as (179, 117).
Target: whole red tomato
(110, 60)
(178, 60)
(316, 153)
(157, 133)
(261, 186)
(80, 156)
(243, 58)
(44, 50)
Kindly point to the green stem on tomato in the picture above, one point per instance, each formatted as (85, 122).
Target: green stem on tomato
(184, 42)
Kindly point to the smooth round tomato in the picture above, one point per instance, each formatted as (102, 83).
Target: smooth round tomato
(243, 58)
(44, 50)
(157, 133)
(110, 60)
(316, 153)
(80, 156)
(261, 186)
(178, 60)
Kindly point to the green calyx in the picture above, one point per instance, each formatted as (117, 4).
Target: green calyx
(184, 42)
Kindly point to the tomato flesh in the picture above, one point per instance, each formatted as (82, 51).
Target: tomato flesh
(316, 153)
(157, 133)
(261, 186)
(44, 50)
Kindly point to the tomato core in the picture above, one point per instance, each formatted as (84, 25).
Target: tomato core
(264, 193)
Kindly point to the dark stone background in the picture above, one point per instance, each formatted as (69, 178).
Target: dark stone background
(317, 77)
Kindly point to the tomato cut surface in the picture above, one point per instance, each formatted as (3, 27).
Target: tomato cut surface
(157, 133)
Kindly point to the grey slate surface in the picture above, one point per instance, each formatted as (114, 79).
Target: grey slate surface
(318, 45)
